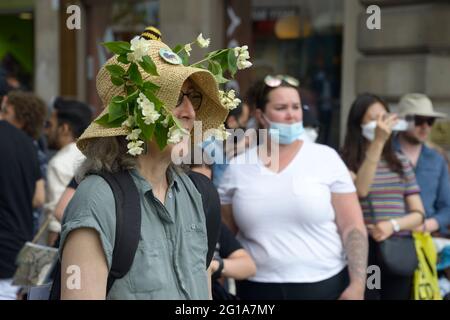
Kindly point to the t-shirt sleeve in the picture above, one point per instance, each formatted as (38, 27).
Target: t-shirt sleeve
(227, 185)
(411, 186)
(92, 206)
(227, 242)
(341, 181)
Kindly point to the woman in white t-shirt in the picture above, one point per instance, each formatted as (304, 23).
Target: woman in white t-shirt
(294, 209)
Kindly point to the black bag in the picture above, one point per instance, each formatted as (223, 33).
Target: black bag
(396, 255)
(128, 227)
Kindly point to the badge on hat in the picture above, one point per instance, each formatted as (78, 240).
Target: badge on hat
(170, 56)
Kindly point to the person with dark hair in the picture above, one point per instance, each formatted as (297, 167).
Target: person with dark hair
(19, 177)
(27, 112)
(67, 122)
(300, 220)
(386, 185)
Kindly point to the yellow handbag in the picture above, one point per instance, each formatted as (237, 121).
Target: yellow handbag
(425, 281)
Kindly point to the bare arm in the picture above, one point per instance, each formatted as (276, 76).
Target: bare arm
(227, 218)
(39, 194)
(238, 265)
(63, 202)
(83, 249)
(352, 230)
(384, 229)
(366, 173)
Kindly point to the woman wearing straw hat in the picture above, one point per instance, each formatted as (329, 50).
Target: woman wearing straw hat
(153, 97)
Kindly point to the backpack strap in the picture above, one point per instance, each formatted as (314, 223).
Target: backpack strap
(128, 223)
(211, 208)
(128, 230)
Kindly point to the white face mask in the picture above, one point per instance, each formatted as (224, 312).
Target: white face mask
(310, 135)
(368, 130)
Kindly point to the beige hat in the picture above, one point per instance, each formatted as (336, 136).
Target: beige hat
(418, 104)
(170, 80)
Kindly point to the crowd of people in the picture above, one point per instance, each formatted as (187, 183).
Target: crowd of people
(300, 221)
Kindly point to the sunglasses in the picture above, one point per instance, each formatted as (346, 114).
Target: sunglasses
(276, 81)
(421, 120)
(194, 96)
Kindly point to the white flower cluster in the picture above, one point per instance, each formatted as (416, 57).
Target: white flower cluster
(188, 49)
(176, 134)
(221, 133)
(129, 122)
(202, 42)
(228, 99)
(150, 115)
(140, 47)
(135, 145)
(242, 56)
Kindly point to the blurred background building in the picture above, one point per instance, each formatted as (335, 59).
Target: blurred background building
(324, 43)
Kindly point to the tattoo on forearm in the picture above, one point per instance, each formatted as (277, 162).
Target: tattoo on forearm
(356, 247)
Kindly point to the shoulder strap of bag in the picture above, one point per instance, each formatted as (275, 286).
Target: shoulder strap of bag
(128, 223)
(211, 208)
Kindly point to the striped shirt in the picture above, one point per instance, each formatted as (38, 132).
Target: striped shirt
(388, 191)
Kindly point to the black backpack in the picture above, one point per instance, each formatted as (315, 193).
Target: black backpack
(128, 228)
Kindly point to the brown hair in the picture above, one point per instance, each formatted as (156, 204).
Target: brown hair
(106, 154)
(30, 110)
(355, 145)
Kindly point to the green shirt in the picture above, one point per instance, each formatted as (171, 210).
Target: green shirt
(170, 261)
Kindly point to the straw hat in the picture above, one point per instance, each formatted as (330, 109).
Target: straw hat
(419, 105)
(170, 80)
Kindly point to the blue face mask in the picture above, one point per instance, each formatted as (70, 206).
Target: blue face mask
(285, 133)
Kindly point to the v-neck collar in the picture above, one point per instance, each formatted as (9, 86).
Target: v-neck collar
(287, 168)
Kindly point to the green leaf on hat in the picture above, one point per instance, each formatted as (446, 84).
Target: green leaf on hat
(117, 81)
(178, 48)
(148, 65)
(148, 85)
(184, 58)
(131, 97)
(117, 47)
(153, 98)
(123, 59)
(161, 135)
(216, 70)
(116, 108)
(115, 70)
(147, 129)
(104, 121)
(232, 63)
(134, 73)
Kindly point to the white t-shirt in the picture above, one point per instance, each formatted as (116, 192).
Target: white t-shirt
(286, 220)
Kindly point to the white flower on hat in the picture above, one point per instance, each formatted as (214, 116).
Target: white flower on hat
(221, 133)
(129, 122)
(150, 115)
(242, 56)
(188, 49)
(134, 147)
(140, 47)
(165, 122)
(176, 134)
(202, 42)
(134, 135)
(228, 99)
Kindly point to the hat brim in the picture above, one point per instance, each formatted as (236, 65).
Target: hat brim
(428, 114)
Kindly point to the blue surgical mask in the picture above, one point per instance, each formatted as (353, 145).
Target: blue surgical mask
(285, 133)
